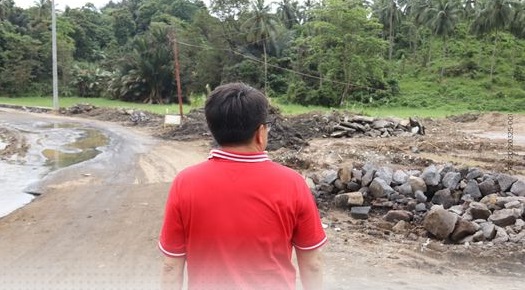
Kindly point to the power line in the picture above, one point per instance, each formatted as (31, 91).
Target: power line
(276, 66)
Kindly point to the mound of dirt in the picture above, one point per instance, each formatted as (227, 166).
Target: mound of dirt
(118, 115)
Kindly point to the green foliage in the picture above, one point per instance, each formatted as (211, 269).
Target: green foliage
(432, 54)
(341, 41)
(90, 81)
(146, 73)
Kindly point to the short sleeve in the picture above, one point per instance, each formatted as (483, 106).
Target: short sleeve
(308, 232)
(172, 239)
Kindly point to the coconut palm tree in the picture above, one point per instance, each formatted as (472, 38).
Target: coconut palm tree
(389, 14)
(260, 28)
(494, 16)
(287, 13)
(517, 25)
(441, 18)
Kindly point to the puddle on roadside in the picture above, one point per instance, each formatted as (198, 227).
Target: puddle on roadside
(83, 149)
(49, 125)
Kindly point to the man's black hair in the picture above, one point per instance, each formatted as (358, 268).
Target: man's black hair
(234, 112)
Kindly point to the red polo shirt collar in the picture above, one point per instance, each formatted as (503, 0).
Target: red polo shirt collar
(239, 157)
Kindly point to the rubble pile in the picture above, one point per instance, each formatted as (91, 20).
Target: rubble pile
(339, 125)
(121, 115)
(455, 205)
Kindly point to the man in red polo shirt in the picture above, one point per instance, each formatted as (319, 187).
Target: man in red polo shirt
(235, 218)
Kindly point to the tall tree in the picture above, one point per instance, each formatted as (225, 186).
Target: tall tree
(441, 18)
(287, 13)
(518, 22)
(389, 14)
(146, 73)
(339, 47)
(495, 15)
(260, 28)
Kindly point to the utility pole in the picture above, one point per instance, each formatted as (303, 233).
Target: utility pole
(173, 39)
(54, 56)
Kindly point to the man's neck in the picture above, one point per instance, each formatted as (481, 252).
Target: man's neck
(249, 148)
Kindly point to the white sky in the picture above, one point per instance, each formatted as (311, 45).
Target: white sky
(61, 4)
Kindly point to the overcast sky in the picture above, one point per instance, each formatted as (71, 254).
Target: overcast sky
(61, 4)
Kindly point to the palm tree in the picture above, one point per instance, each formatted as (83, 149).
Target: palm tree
(5, 8)
(146, 72)
(517, 25)
(494, 16)
(260, 28)
(287, 12)
(388, 13)
(442, 18)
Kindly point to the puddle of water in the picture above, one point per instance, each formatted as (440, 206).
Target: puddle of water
(84, 148)
(12, 194)
(52, 146)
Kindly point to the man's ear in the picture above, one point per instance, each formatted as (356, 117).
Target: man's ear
(260, 136)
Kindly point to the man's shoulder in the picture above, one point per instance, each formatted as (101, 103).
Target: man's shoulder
(284, 171)
(196, 169)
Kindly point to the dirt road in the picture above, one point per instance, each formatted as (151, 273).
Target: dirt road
(96, 227)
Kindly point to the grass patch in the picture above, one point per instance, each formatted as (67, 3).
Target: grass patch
(420, 106)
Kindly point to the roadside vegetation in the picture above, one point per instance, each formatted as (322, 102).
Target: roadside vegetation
(381, 57)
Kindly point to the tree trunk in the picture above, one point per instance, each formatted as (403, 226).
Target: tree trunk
(265, 69)
(493, 59)
(429, 52)
(343, 96)
(391, 34)
(444, 56)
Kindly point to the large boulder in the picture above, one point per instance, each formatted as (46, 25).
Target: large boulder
(440, 222)
(399, 177)
(472, 189)
(443, 197)
(489, 230)
(518, 188)
(385, 173)
(505, 181)
(368, 177)
(479, 210)
(405, 189)
(451, 180)
(488, 186)
(379, 188)
(474, 173)
(463, 229)
(503, 217)
(431, 175)
(417, 183)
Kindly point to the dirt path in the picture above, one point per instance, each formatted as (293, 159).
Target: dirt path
(96, 227)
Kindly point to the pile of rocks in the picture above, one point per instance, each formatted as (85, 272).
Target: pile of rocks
(456, 205)
(372, 127)
(344, 124)
(77, 109)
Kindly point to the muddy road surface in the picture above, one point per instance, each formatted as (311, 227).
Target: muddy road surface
(95, 226)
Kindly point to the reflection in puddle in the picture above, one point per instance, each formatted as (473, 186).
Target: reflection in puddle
(82, 149)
